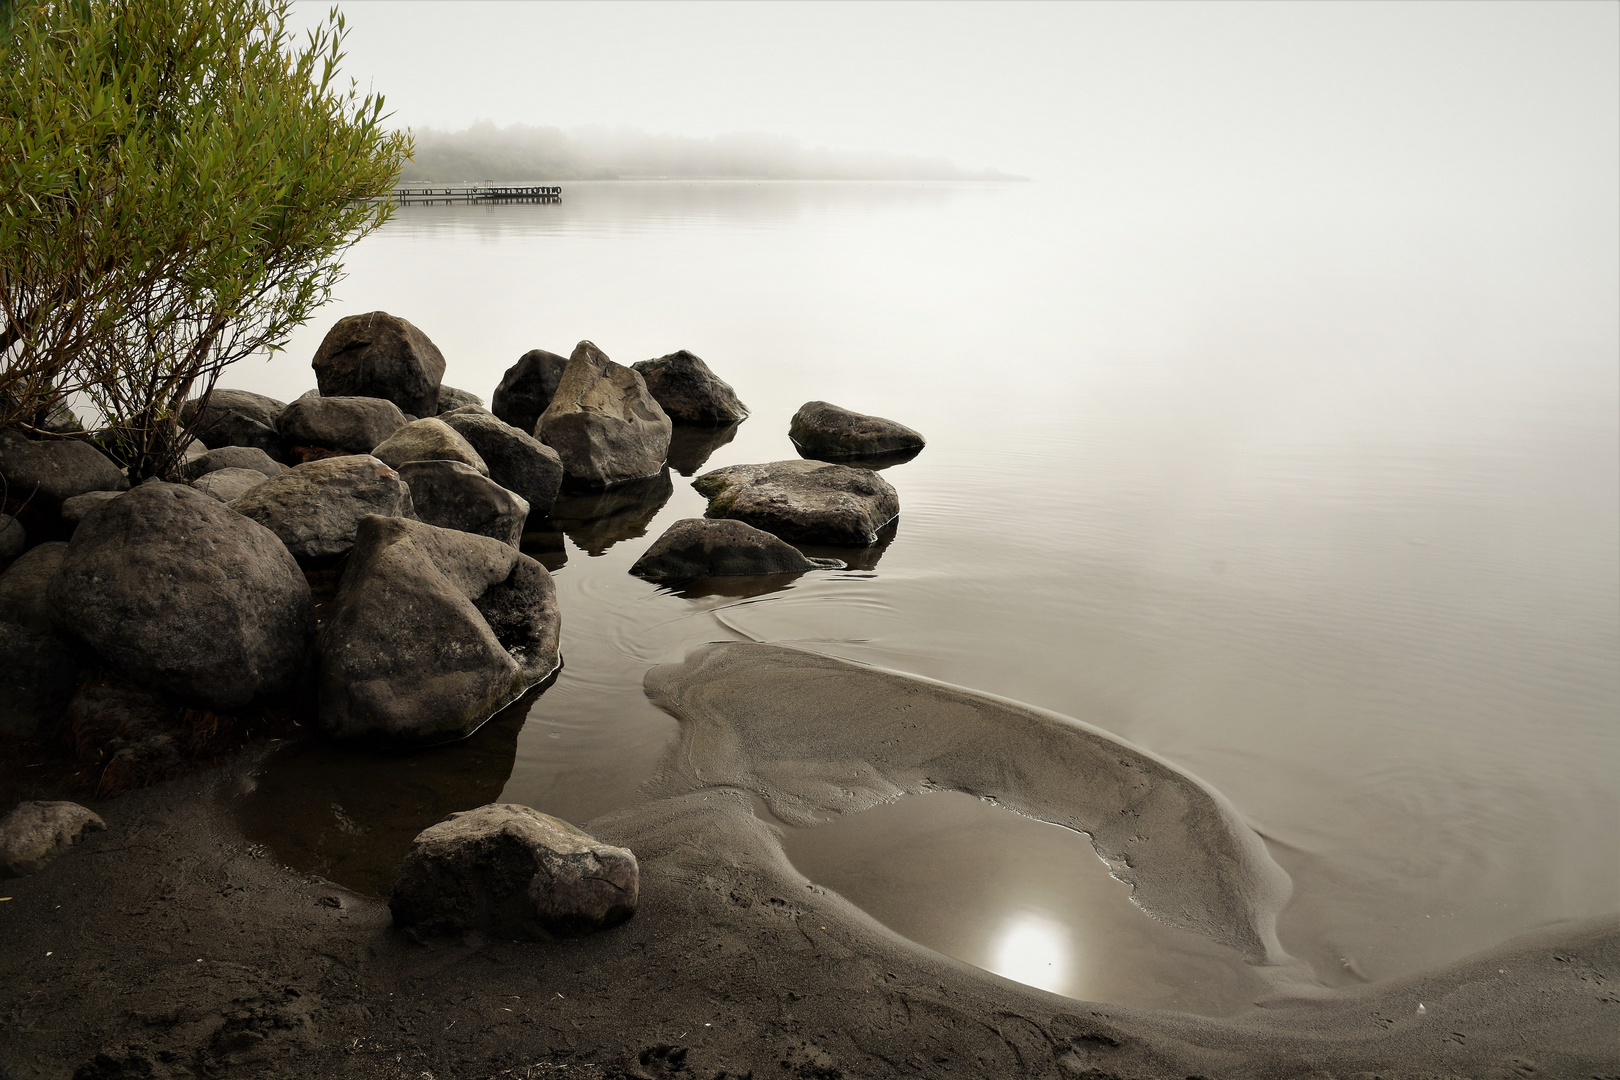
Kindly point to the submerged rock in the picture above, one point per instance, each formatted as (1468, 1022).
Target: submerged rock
(602, 422)
(79, 507)
(352, 425)
(830, 433)
(428, 440)
(38, 674)
(456, 496)
(527, 388)
(451, 398)
(808, 501)
(228, 485)
(689, 392)
(34, 833)
(232, 457)
(517, 461)
(515, 872)
(48, 473)
(24, 585)
(181, 593)
(316, 507)
(380, 355)
(702, 547)
(432, 632)
(235, 418)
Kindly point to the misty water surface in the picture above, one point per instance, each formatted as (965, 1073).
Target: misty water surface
(1322, 510)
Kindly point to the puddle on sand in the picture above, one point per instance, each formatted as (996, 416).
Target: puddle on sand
(1026, 899)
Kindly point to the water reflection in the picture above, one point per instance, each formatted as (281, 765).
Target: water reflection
(865, 558)
(597, 520)
(1026, 899)
(690, 447)
(876, 462)
(350, 815)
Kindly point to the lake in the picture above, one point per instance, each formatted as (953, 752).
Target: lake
(1323, 510)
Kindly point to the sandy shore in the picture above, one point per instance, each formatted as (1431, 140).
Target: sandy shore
(171, 946)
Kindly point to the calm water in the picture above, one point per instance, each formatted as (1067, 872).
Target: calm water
(1324, 511)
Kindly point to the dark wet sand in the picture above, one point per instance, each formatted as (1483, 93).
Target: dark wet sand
(173, 940)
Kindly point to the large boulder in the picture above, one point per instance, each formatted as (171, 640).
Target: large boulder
(351, 425)
(228, 485)
(183, 594)
(830, 433)
(24, 587)
(452, 495)
(382, 356)
(512, 871)
(517, 461)
(527, 388)
(689, 392)
(34, 833)
(235, 418)
(703, 547)
(602, 422)
(13, 539)
(231, 457)
(432, 632)
(316, 507)
(38, 674)
(451, 398)
(428, 440)
(803, 501)
(45, 473)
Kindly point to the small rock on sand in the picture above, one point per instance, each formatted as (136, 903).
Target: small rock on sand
(36, 832)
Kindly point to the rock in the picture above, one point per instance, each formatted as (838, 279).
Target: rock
(451, 398)
(431, 633)
(527, 388)
(829, 433)
(228, 485)
(689, 392)
(24, 585)
(381, 356)
(61, 420)
(47, 473)
(38, 674)
(701, 547)
(515, 872)
(13, 539)
(517, 461)
(79, 507)
(353, 425)
(809, 501)
(453, 495)
(183, 594)
(428, 440)
(602, 422)
(34, 833)
(235, 418)
(232, 457)
(316, 507)
(194, 449)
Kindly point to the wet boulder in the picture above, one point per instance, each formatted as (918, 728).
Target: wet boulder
(316, 507)
(527, 388)
(803, 501)
(13, 539)
(38, 674)
(428, 440)
(79, 507)
(184, 595)
(452, 495)
(451, 398)
(46, 473)
(688, 392)
(231, 457)
(235, 418)
(704, 547)
(517, 461)
(24, 585)
(34, 833)
(432, 632)
(602, 422)
(829, 433)
(228, 485)
(512, 871)
(382, 356)
(349, 425)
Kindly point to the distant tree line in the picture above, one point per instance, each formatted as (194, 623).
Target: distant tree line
(520, 152)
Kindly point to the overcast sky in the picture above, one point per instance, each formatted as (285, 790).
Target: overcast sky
(1458, 100)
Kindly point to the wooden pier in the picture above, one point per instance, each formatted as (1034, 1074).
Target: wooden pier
(485, 193)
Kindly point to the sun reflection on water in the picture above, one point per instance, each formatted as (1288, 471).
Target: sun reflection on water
(1035, 950)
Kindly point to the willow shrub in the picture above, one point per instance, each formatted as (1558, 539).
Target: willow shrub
(180, 179)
